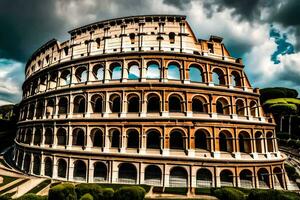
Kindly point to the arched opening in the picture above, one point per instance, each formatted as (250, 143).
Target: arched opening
(81, 74)
(65, 78)
(31, 111)
(172, 37)
(116, 71)
(259, 142)
(78, 137)
(278, 178)
(153, 175)
(153, 139)
(53, 80)
(218, 77)
(79, 170)
(134, 71)
(27, 162)
(97, 137)
(269, 137)
(173, 71)
(28, 138)
(178, 177)
(235, 79)
(226, 178)
(153, 70)
(133, 104)
(37, 137)
(225, 141)
(153, 103)
(36, 165)
(202, 140)
(244, 142)
(63, 105)
(97, 104)
(246, 178)
(240, 108)
(199, 105)
(115, 103)
(175, 104)
(177, 141)
(204, 178)
(253, 108)
(263, 178)
(196, 74)
(133, 139)
(100, 172)
(115, 138)
(132, 38)
(48, 136)
(48, 167)
(61, 136)
(98, 71)
(20, 159)
(222, 106)
(62, 168)
(50, 107)
(127, 173)
(79, 104)
(39, 110)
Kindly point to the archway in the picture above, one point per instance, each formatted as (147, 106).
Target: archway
(225, 141)
(78, 137)
(61, 136)
(153, 139)
(178, 177)
(263, 178)
(63, 105)
(79, 170)
(36, 165)
(133, 139)
(115, 139)
(153, 70)
(196, 74)
(133, 104)
(100, 172)
(204, 178)
(176, 140)
(153, 103)
(244, 142)
(226, 178)
(218, 77)
(153, 175)
(115, 103)
(48, 167)
(173, 71)
(97, 137)
(62, 168)
(246, 179)
(202, 140)
(175, 104)
(79, 104)
(127, 173)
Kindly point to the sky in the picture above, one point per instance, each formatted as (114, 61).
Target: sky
(264, 33)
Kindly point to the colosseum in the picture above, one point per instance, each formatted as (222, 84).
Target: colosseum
(141, 100)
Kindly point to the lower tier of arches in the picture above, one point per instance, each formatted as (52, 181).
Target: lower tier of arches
(170, 173)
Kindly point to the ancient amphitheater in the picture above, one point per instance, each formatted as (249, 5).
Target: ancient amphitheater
(141, 100)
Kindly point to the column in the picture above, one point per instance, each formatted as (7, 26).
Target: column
(106, 72)
(114, 171)
(143, 68)
(106, 140)
(166, 176)
(90, 172)
(165, 147)
(143, 141)
(42, 169)
(123, 103)
(123, 138)
(89, 143)
(54, 168)
(106, 107)
(143, 102)
(70, 172)
(124, 71)
(164, 103)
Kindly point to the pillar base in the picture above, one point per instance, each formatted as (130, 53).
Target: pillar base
(122, 150)
(215, 154)
(268, 155)
(211, 84)
(234, 116)
(142, 151)
(214, 115)
(123, 114)
(191, 152)
(166, 152)
(105, 114)
(143, 114)
(165, 114)
(105, 150)
(237, 155)
(254, 155)
(186, 81)
(189, 114)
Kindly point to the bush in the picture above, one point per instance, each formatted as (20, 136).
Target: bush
(5, 197)
(87, 196)
(229, 194)
(108, 194)
(94, 189)
(31, 196)
(272, 195)
(130, 193)
(62, 192)
(176, 190)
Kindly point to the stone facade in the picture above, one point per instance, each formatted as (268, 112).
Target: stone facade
(141, 100)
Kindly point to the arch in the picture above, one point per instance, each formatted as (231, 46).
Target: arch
(245, 142)
(202, 140)
(116, 71)
(50, 107)
(204, 178)
(127, 173)
(269, 137)
(172, 37)
(153, 175)
(115, 138)
(97, 137)
(153, 70)
(240, 107)
(48, 167)
(97, 103)
(263, 178)
(253, 108)
(173, 71)
(81, 74)
(28, 137)
(246, 178)
(196, 73)
(27, 162)
(153, 103)
(236, 79)
(178, 177)
(259, 142)
(278, 178)
(63, 105)
(226, 178)
(65, 78)
(225, 141)
(98, 71)
(39, 110)
(222, 106)
(115, 103)
(133, 71)
(133, 104)
(61, 136)
(37, 137)
(177, 140)
(218, 76)
(153, 139)
(48, 136)
(175, 104)
(36, 165)
(79, 170)
(199, 105)
(62, 168)
(79, 104)
(133, 139)
(100, 172)
(31, 111)
(20, 159)
(78, 137)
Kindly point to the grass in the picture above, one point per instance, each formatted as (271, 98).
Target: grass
(7, 179)
(13, 186)
(40, 186)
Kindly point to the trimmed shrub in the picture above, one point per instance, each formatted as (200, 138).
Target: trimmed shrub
(272, 195)
(176, 190)
(31, 196)
(130, 193)
(108, 194)
(229, 194)
(93, 189)
(63, 191)
(205, 191)
(5, 197)
(87, 196)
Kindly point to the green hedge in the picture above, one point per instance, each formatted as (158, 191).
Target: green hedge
(205, 191)
(229, 194)
(31, 196)
(272, 195)
(62, 192)
(108, 194)
(94, 189)
(176, 190)
(87, 196)
(130, 193)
